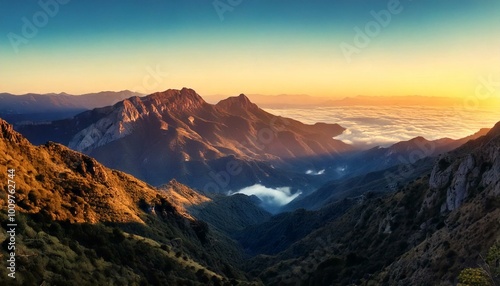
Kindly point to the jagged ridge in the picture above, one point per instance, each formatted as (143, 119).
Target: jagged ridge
(176, 134)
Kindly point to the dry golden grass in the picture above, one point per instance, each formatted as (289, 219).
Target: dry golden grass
(71, 186)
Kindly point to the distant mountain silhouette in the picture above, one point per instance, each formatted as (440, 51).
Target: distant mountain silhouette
(406, 100)
(308, 101)
(278, 101)
(51, 106)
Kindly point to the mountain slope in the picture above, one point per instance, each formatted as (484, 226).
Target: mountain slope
(175, 134)
(374, 169)
(424, 234)
(230, 213)
(182, 197)
(75, 216)
(404, 152)
(382, 181)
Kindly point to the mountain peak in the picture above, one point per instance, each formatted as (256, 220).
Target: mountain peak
(240, 102)
(243, 98)
(182, 196)
(495, 130)
(418, 139)
(7, 132)
(184, 98)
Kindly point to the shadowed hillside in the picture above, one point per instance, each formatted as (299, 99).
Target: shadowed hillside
(80, 223)
(428, 231)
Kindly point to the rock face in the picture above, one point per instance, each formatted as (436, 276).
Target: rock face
(460, 185)
(464, 189)
(7, 132)
(459, 176)
(404, 152)
(440, 178)
(108, 129)
(386, 169)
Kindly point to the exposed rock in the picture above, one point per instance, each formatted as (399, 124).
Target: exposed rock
(7, 132)
(440, 178)
(460, 185)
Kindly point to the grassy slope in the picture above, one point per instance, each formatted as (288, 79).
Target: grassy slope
(75, 211)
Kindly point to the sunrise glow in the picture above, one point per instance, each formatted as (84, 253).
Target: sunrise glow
(115, 45)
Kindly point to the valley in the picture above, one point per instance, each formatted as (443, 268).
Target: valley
(407, 212)
(249, 143)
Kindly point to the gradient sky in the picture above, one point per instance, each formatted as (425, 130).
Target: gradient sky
(436, 48)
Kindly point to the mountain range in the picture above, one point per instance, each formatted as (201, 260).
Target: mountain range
(46, 107)
(425, 232)
(225, 147)
(81, 223)
(215, 148)
(306, 101)
(414, 213)
(428, 229)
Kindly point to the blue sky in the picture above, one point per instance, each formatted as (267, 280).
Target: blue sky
(269, 47)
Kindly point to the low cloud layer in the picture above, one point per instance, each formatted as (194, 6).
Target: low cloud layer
(385, 125)
(270, 197)
(314, 173)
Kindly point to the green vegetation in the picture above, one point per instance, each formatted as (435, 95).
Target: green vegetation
(487, 275)
(80, 223)
(64, 253)
(474, 277)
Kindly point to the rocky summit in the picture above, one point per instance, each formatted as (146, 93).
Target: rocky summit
(175, 134)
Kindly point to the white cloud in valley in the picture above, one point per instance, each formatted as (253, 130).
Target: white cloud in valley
(314, 173)
(269, 196)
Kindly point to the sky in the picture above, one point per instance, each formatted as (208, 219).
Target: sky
(321, 48)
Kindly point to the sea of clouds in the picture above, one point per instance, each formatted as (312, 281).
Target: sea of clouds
(370, 126)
